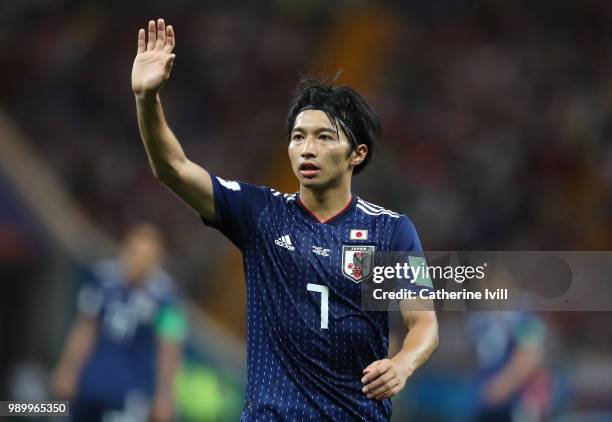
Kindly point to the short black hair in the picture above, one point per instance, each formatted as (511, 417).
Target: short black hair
(343, 106)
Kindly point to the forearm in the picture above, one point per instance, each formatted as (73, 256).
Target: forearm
(419, 344)
(78, 348)
(522, 365)
(168, 362)
(385, 378)
(163, 149)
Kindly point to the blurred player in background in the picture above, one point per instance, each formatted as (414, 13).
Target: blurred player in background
(513, 384)
(313, 352)
(124, 349)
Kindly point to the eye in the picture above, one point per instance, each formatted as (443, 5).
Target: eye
(326, 137)
(297, 137)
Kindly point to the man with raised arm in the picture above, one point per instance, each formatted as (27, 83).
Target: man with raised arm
(313, 353)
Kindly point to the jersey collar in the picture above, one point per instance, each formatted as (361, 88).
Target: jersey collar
(335, 219)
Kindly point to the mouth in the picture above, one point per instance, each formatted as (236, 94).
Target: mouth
(309, 169)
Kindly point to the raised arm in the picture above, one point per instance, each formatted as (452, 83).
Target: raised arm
(151, 70)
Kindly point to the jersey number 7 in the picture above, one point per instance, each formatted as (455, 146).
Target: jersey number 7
(324, 290)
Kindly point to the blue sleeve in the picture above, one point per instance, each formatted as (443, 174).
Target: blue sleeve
(90, 298)
(405, 241)
(405, 238)
(237, 208)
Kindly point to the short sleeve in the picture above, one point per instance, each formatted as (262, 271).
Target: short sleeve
(238, 206)
(171, 323)
(405, 238)
(530, 331)
(405, 242)
(89, 300)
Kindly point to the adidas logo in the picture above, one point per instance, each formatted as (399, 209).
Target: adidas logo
(285, 242)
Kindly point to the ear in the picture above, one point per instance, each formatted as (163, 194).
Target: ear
(358, 155)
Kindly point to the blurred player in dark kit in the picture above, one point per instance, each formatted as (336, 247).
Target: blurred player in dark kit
(513, 382)
(124, 349)
(313, 352)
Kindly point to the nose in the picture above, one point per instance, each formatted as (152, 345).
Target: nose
(309, 149)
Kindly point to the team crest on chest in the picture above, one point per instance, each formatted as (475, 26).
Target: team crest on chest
(357, 261)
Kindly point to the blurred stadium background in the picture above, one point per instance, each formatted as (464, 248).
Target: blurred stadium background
(497, 130)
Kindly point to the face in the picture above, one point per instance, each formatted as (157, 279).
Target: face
(142, 252)
(320, 156)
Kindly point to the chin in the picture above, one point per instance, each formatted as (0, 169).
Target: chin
(309, 183)
(316, 183)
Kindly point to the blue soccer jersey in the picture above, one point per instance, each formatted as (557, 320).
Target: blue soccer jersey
(131, 320)
(496, 336)
(308, 337)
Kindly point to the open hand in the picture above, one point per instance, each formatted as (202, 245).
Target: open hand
(154, 58)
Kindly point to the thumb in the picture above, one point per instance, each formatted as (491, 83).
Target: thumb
(169, 62)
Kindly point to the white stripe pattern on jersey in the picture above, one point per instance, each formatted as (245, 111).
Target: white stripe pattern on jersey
(288, 196)
(372, 209)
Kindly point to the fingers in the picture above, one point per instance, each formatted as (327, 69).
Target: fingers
(372, 388)
(384, 388)
(389, 393)
(169, 39)
(159, 37)
(161, 34)
(374, 371)
(369, 368)
(151, 36)
(141, 41)
(381, 380)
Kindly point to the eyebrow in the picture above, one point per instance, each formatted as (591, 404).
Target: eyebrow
(317, 131)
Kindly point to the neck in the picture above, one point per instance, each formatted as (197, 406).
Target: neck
(326, 203)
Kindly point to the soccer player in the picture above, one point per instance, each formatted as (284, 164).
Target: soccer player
(123, 351)
(313, 352)
(513, 382)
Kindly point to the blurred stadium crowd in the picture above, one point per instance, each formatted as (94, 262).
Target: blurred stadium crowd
(497, 131)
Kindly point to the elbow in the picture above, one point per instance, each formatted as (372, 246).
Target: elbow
(435, 338)
(157, 173)
(167, 173)
(426, 324)
(161, 175)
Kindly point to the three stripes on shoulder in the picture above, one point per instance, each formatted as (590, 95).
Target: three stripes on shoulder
(287, 196)
(372, 209)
